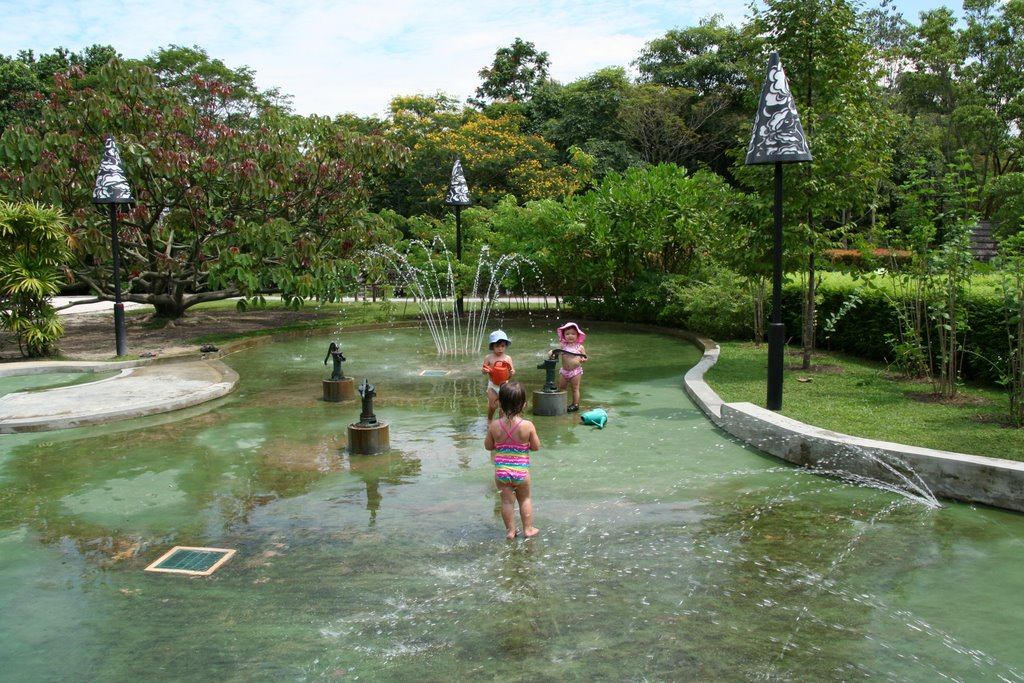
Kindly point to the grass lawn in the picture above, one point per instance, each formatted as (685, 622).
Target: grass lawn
(861, 398)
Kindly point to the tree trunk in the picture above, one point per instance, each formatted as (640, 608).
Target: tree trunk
(809, 314)
(173, 306)
(169, 307)
(757, 287)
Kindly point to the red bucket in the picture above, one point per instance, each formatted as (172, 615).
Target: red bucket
(499, 372)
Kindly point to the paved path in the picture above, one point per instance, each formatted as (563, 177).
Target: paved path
(60, 302)
(140, 389)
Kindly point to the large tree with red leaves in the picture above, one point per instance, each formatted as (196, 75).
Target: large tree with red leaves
(230, 200)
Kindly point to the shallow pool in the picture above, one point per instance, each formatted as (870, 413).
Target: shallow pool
(668, 551)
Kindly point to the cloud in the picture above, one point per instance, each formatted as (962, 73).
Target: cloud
(355, 56)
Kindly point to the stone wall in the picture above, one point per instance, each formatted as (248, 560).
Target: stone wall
(956, 476)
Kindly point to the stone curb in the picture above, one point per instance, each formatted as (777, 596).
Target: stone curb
(136, 391)
(956, 476)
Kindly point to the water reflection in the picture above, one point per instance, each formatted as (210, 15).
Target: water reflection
(667, 550)
(391, 468)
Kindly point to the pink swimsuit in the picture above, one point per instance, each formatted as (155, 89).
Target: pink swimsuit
(511, 457)
(578, 370)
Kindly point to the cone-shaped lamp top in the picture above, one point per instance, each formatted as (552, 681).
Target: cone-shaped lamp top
(111, 185)
(777, 135)
(458, 190)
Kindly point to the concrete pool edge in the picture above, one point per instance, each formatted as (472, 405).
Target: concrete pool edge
(143, 387)
(140, 389)
(955, 476)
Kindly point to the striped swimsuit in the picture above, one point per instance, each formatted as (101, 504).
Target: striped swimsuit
(511, 458)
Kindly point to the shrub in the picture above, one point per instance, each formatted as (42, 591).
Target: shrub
(868, 330)
(33, 244)
(864, 260)
(719, 307)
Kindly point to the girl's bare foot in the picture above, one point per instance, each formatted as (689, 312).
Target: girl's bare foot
(531, 532)
(512, 533)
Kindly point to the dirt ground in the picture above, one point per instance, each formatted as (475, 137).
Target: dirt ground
(91, 336)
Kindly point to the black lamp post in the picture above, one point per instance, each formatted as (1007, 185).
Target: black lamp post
(458, 196)
(112, 189)
(778, 138)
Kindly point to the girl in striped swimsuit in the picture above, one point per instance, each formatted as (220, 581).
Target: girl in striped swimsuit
(511, 438)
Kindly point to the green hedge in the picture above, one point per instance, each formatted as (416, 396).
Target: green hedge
(722, 310)
(862, 330)
(868, 259)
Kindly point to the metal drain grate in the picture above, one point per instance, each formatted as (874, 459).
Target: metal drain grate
(435, 373)
(182, 559)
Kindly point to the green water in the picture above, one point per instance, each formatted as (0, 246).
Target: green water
(49, 380)
(668, 552)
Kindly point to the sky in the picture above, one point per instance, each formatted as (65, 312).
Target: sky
(354, 56)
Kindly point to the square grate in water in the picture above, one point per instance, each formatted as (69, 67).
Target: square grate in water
(435, 373)
(183, 559)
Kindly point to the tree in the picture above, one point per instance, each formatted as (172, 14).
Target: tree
(1011, 289)
(587, 109)
(187, 69)
(707, 59)
(951, 277)
(90, 60)
(938, 210)
(655, 123)
(673, 125)
(412, 119)
(1007, 192)
(888, 35)
(636, 228)
(533, 229)
(587, 114)
(964, 80)
(992, 112)
(17, 85)
(693, 81)
(499, 159)
(827, 60)
(932, 87)
(747, 250)
(227, 205)
(25, 79)
(518, 70)
(34, 245)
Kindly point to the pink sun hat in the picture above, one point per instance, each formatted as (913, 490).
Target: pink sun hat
(580, 334)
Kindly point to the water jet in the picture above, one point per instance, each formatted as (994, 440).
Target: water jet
(426, 272)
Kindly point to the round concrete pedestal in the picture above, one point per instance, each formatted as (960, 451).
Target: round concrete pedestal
(549, 403)
(369, 439)
(339, 389)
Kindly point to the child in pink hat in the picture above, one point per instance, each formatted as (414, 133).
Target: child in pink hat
(571, 337)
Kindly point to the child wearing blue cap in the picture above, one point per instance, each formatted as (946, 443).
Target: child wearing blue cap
(498, 367)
